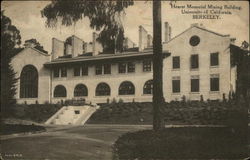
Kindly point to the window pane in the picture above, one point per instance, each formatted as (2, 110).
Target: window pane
(147, 65)
(85, 71)
(175, 86)
(195, 85)
(98, 69)
(122, 67)
(107, 68)
(80, 90)
(176, 62)
(214, 84)
(56, 72)
(60, 91)
(131, 67)
(214, 59)
(77, 71)
(64, 72)
(194, 61)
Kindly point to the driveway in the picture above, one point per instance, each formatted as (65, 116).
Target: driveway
(89, 142)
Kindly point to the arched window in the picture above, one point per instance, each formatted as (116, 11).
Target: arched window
(80, 90)
(60, 91)
(29, 82)
(102, 89)
(126, 88)
(148, 87)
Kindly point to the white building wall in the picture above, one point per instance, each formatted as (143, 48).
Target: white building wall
(33, 57)
(209, 43)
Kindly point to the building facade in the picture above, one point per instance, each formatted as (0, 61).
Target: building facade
(197, 64)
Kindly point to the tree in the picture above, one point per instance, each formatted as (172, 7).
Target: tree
(10, 39)
(158, 99)
(104, 16)
(36, 44)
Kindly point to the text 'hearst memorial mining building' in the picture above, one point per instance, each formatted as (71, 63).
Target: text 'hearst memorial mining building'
(196, 62)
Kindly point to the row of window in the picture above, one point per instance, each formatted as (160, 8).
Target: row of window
(195, 83)
(100, 69)
(194, 61)
(103, 89)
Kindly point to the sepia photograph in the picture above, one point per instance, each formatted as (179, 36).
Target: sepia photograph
(125, 80)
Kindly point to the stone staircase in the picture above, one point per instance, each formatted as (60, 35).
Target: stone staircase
(72, 115)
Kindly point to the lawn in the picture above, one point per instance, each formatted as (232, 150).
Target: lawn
(183, 143)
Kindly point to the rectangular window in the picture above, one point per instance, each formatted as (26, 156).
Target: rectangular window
(122, 68)
(214, 59)
(176, 62)
(194, 61)
(214, 83)
(98, 69)
(176, 85)
(76, 71)
(63, 72)
(85, 70)
(131, 67)
(107, 68)
(147, 65)
(56, 72)
(195, 84)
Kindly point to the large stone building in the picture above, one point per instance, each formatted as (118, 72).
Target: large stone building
(196, 62)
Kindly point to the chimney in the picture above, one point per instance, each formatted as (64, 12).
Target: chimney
(68, 49)
(168, 32)
(97, 47)
(88, 47)
(57, 48)
(77, 46)
(149, 41)
(142, 38)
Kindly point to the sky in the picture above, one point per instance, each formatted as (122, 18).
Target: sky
(26, 16)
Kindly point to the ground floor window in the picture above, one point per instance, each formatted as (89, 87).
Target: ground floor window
(80, 90)
(148, 87)
(214, 82)
(126, 88)
(176, 85)
(102, 89)
(195, 84)
(60, 91)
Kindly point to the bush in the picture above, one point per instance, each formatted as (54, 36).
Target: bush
(181, 143)
(18, 128)
(35, 112)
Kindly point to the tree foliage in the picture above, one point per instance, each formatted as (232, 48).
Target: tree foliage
(38, 46)
(104, 16)
(10, 39)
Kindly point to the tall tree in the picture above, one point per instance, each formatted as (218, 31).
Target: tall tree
(10, 39)
(104, 16)
(158, 99)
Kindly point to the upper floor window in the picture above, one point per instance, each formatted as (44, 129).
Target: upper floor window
(131, 67)
(107, 68)
(176, 62)
(176, 85)
(214, 59)
(194, 61)
(76, 71)
(195, 84)
(147, 65)
(214, 82)
(85, 70)
(56, 72)
(63, 72)
(194, 40)
(148, 87)
(98, 69)
(122, 68)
